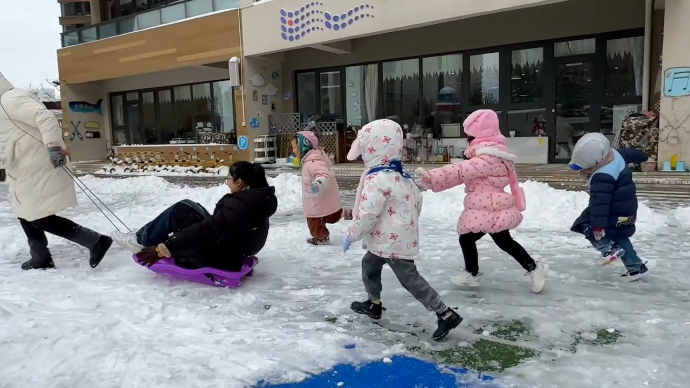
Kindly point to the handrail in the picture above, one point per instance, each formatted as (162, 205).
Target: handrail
(176, 10)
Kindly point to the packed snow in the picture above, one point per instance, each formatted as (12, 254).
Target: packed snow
(121, 325)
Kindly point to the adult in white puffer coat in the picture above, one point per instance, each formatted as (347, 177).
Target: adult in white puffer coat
(33, 155)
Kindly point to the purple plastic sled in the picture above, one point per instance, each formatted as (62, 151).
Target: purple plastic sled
(209, 276)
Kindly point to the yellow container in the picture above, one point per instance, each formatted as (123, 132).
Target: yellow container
(295, 161)
(674, 161)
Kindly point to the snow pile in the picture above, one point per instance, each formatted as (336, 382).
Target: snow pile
(134, 170)
(548, 209)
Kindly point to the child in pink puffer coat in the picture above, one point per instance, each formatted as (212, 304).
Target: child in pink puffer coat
(320, 192)
(488, 208)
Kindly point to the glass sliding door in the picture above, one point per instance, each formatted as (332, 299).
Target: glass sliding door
(203, 108)
(361, 94)
(117, 111)
(149, 119)
(184, 113)
(306, 94)
(574, 81)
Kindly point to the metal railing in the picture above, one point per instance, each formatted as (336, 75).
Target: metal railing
(173, 12)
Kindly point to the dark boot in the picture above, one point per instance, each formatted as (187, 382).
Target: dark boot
(36, 263)
(368, 308)
(319, 241)
(447, 321)
(99, 250)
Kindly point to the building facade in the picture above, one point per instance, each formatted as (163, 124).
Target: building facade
(151, 77)
(553, 70)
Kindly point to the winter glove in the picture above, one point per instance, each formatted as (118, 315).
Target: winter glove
(315, 187)
(151, 255)
(599, 233)
(422, 179)
(57, 156)
(346, 244)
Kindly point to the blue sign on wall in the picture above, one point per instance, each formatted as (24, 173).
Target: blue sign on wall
(254, 123)
(243, 142)
(677, 82)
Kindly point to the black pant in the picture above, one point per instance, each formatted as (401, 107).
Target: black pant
(38, 242)
(468, 244)
(179, 216)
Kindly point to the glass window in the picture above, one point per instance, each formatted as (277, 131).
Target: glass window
(199, 7)
(166, 115)
(125, 25)
(184, 112)
(401, 92)
(132, 96)
(89, 35)
(107, 30)
(70, 39)
(526, 123)
(612, 117)
(484, 82)
(172, 13)
(624, 64)
(362, 93)
(575, 47)
(306, 93)
(149, 19)
(148, 100)
(224, 107)
(203, 107)
(331, 94)
(225, 4)
(527, 77)
(441, 90)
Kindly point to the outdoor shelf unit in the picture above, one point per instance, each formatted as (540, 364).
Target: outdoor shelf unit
(265, 149)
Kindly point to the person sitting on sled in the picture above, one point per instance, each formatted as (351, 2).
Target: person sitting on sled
(320, 192)
(238, 227)
(609, 220)
(386, 216)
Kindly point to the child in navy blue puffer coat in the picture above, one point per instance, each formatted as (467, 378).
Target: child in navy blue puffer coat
(609, 220)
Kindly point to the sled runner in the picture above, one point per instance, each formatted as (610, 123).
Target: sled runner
(209, 276)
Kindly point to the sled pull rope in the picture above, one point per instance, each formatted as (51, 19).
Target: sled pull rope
(82, 186)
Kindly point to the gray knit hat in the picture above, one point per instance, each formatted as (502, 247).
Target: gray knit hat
(591, 149)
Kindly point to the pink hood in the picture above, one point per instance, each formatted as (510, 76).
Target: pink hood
(483, 125)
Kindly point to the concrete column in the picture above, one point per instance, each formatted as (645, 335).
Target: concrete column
(674, 124)
(95, 11)
(270, 70)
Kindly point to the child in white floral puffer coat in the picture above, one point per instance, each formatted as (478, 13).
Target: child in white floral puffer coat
(386, 217)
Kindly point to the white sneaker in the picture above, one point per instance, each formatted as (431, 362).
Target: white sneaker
(127, 241)
(466, 280)
(539, 277)
(608, 257)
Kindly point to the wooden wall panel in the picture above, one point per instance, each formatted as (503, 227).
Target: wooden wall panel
(199, 41)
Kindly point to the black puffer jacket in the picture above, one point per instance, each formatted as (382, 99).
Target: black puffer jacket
(238, 228)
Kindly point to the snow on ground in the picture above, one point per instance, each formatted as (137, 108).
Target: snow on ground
(124, 326)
